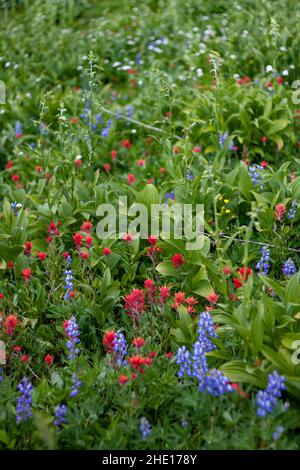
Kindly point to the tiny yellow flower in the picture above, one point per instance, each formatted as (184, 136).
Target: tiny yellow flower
(220, 198)
(227, 211)
(226, 201)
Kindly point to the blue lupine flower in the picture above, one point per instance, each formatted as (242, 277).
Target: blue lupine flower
(223, 138)
(189, 175)
(72, 333)
(76, 383)
(104, 132)
(266, 400)
(14, 206)
(196, 365)
(85, 114)
(184, 423)
(24, 401)
(99, 118)
(206, 328)
(289, 268)
(170, 195)
(18, 128)
(145, 427)
(69, 285)
(1, 374)
(60, 413)
(200, 365)
(292, 212)
(277, 433)
(217, 384)
(109, 123)
(129, 110)
(183, 359)
(69, 261)
(138, 59)
(231, 145)
(119, 113)
(263, 265)
(254, 174)
(43, 129)
(120, 347)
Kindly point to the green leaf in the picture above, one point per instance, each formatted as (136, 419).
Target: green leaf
(278, 141)
(268, 107)
(245, 183)
(7, 212)
(273, 285)
(4, 437)
(257, 331)
(56, 380)
(277, 126)
(106, 280)
(204, 288)
(278, 360)
(292, 293)
(19, 229)
(165, 268)
(237, 371)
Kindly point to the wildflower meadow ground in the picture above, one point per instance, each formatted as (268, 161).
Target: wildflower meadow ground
(149, 225)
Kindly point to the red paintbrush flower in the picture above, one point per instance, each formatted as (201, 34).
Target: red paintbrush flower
(177, 260)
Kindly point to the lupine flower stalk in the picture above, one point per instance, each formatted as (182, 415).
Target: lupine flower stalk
(266, 400)
(71, 329)
(264, 263)
(289, 268)
(24, 402)
(145, 427)
(60, 417)
(195, 365)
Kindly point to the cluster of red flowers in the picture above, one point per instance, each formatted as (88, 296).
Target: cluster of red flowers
(238, 281)
(151, 289)
(181, 299)
(48, 359)
(108, 340)
(239, 390)
(27, 248)
(128, 238)
(10, 324)
(153, 249)
(78, 239)
(134, 303)
(26, 273)
(213, 298)
(280, 211)
(52, 232)
(243, 80)
(177, 260)
(138, 364)
(131, 179)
